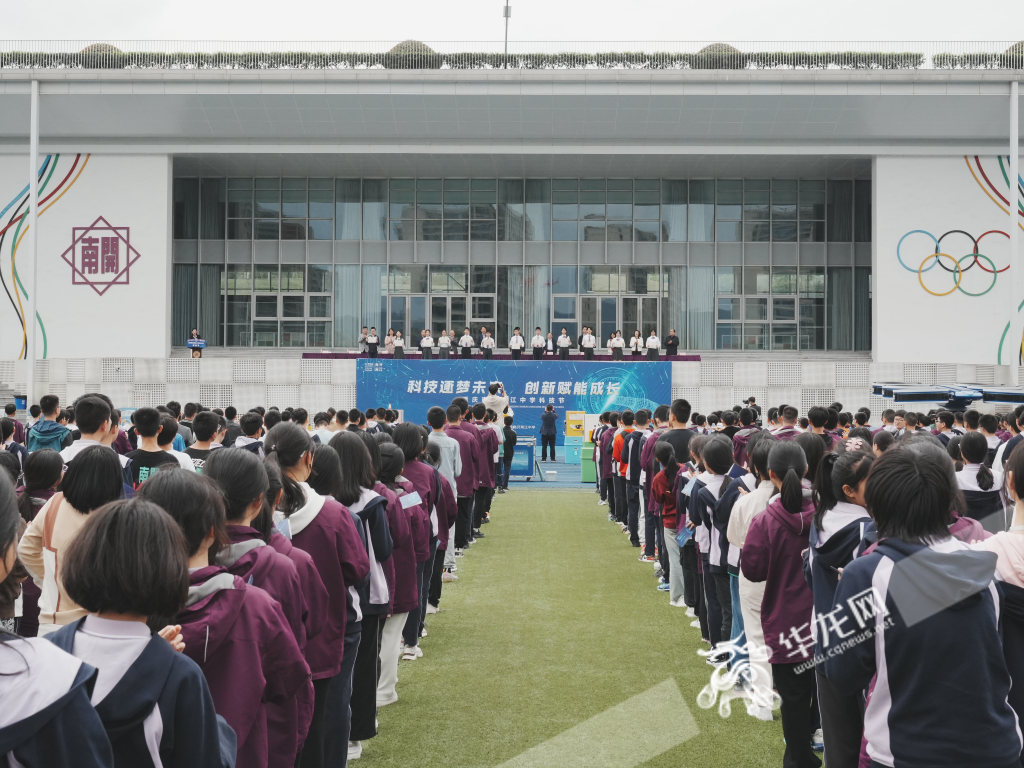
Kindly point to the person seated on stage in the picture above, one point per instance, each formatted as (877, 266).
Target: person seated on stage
(399, 345)
(538, 343)
(426, 344)
(564, 342)
(372, 342)
(487, 345)
(587, 343)
(466, 343)
(672, 343)
(516, 344)
(653, 345)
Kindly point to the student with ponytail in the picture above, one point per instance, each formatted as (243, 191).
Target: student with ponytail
(235, 632)
(772, 553)
(840, 525)
(360, 458)
(980, 485)
(43, 471)
(323, 528)
(243, 484)
(663, 495)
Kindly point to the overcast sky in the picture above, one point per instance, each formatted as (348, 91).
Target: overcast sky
(532, 20)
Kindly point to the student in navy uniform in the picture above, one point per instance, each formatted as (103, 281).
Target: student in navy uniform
(840, 524)
(48, 720)
(235, 632)
(980, 485)
(251, 425)
(926, 597)
(128, 567)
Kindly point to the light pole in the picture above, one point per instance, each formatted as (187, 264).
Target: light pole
(507, 12)
(33, 234)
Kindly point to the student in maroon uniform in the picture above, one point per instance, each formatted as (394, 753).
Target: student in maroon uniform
(243, 483)
(465, 483)
(488, 442)
(324, 529)
(236, 633)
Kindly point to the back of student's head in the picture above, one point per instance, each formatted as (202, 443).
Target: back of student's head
(508, 421)
(49, 404)
(129, 558)
(432, 454)
(409, 440)
(757, 456)
(195, 503)
(681, 410)
(480, 410)
(6, 428)
(627, 418)
(729, 418)
(326, 474)
(772, 415)
(205, 426)
(10, 409)
(699, 420)
(717, 454)
(813, 447)
(230, 413)
(988, 423)
(789, 414)
(93, 479)
(833, 419)
(836, 473)
(436, 417)
(42, 471)
(661, 414)
(374, 448)
(910, 492)
(746, 417)
(453, 413)
(10, 467)
(300, 416)
(883, 440)
(241, 478)
(493, 388)
(462, 402)
(696, 447)
(168, 432)
(359, 470)
(910, 419)
(92, 414)
(972, 418)
(665, 455)
(818, 416)
(860, 419)
(147, 422)
(287, 445)
(191, 409)
(974, 450)
(788, 462)
(642, 417)
(613, 418)
(1015, 472)
(392, 462)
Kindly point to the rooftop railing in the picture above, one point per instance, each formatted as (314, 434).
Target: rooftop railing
(412, 54)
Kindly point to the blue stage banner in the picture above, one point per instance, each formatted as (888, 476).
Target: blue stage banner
(413, 386)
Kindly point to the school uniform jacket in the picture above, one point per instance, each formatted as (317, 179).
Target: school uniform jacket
(607, 437)
(983, 506)
(702, 492)
(843, 528)
(631, 450)
(465, 483)
(787, 433)
(480, 459)
(925, 606)
(426, 481)
(259, 565)
(239, 637)
(161, 712)
(376, 596)
(447, 511)
(618, 457)
(489, 443)
(724, 557)
(739, 444)
(47, 719)
(324, 529)
(403, 553)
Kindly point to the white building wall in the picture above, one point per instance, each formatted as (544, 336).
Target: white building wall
(937, 195)
(130, 319)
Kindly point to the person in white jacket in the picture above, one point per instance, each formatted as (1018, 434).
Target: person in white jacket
(466, 344)
(746, 508)
(516, 344)
(538, 343)
(564, 342)
(653, 345)
(636, 344)
(444, 345)
(427, 345)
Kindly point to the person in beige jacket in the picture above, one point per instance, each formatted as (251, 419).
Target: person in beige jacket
(743, 512)
(93, 479)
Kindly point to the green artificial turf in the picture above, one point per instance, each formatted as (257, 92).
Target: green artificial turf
(552, 622)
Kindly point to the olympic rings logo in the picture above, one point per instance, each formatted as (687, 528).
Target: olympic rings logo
(957, 268)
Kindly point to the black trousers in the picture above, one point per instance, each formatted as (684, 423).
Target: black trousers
(487, 354)
(609, 484)
(365, 678)
(480, 497)
(371, 350)
(538, 353)
(702, 606)
(463, 523)
(652, 354)
(507, 461)
(467, 351)
(842, 724)
(437, 568)
(414, 621)
(588, 353)
(428, 353)
(603, 484)
(312, 753)
(688, 556)
(719, 595)
(563, 353)
(399, 353)
(443, 353)
(517, 354)
(545, 441)
(799, 710)
(621, 508)
(338, 720)
(633, 512)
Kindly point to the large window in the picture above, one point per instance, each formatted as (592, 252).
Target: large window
(745, 264)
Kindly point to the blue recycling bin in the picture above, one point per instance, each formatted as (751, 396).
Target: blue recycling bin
(523, 458)
(573, 449)
(21, 402)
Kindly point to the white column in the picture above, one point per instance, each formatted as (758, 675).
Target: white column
(33, 250)
(1016, 325)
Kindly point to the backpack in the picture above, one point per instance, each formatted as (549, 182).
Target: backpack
(53, 439)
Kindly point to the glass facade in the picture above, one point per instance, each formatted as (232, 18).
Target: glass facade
(740, 264)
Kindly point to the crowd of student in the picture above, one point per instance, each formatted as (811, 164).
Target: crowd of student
(866, 580)
(243, 599)
(449, 344)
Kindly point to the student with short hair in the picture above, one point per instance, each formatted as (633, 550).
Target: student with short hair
(372, 342)
(516, 343)
(511, 438)
(165, 439)
(236, 632)
(207, 429)
(48, 721)
(538, 343)
(10, 445)
(42, 473)
(466, 481)
(789, 430)
(128, 567)
(11, 411)
(149, 458)
(93, 479)
(48, 432)
(466, 344)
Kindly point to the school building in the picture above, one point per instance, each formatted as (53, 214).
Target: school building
(807, 220)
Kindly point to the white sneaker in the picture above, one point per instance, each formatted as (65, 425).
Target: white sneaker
(695, 623)
(602, 503)
(355, 750)
(690, 613)
(818, 741)
(677, 603)
(431, 608)
(380, 704)
(419, 651)
(409, 653)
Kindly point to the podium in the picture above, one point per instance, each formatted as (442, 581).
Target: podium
(197, 346)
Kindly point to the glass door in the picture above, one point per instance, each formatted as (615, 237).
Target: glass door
(609, 320)
(408, 314)
(638, 314)
(447, 313)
